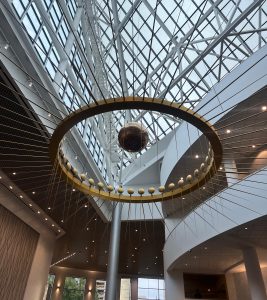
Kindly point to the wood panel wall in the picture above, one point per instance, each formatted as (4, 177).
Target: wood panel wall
(18, 243)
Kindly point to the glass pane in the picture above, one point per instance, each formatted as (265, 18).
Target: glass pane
(49, 287)
(100, 289)
(74, 288)
(125, 293)
(142, 283)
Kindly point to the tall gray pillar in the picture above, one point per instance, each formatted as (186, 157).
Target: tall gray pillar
(254, 275)
(113, 259)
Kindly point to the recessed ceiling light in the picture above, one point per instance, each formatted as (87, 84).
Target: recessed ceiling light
(21, 197)
(48, 207)
(204, 188)
(73, 190)
(93, 241)
(155, 263)
(136, 230)
(30, 83)
(183, 198)
(147, 268)
(228, 130)
(30, 204)
(206, 248)
(86, 248)
(53, 225)
(221, 168)
(196, 156)
(253, 146)
(144, 239)
(33, 192)
(156, 257)
(6, 46)
(264, 108)
(85, 206)
(95, 219)
(11, 187)
(49, 115)
(87, 228)
(135, 248)
(46, 219)
(38, 212)
(133, 261)
(132, 254)
(126, 266)
(62, 221)
(14, 173)
(0, 177)
(246, 228)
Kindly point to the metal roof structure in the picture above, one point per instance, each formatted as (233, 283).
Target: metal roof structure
(178, 50)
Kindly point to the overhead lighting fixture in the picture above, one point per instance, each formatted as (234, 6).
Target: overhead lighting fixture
(53, 225)
(14, 173)
(11, 187)
(228, 131)
(196, 156)
(220, 168)
(38, 212)
(85, 206)
(48, 207)
(33, 192)
(30, 84)
(73, 190)
(49, 115)
(264, 108)
(6, 46)
(21, 197)
(253, 146)
(46, 219)
(30, 204)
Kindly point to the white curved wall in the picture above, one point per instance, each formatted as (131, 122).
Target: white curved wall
(241, 83)
(238, 204)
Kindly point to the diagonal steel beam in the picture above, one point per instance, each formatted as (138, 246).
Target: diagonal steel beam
(186, 36)
(219, 39)
(119, 47)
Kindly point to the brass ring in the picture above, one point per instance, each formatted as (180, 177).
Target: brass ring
(152, 104)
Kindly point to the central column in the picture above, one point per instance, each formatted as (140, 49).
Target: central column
(254, 275)
(114, 249)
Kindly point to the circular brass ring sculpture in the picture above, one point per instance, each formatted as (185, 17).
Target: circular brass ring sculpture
(151, 104)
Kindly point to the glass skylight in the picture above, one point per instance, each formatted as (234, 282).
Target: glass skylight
(167, 49)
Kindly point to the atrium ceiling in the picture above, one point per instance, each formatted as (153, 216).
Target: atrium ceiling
(167, 49)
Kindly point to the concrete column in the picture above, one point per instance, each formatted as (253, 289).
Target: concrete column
(40, 268)
(113, 260)
(254, 275)
(231, 171)
(231, 287)
(174, 285)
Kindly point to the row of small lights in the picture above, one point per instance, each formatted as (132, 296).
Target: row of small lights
(30, 204)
